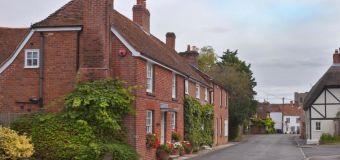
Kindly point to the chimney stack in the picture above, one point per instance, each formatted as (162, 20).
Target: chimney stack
(141, 15)
(191, 56)
(171, 40)
(336, 57)
(95, 39)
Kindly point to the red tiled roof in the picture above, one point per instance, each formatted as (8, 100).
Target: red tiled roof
(70, 14)
(152, 47)
(10, 39)
(147, 44)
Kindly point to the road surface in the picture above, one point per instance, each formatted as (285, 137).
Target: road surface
(259, 147)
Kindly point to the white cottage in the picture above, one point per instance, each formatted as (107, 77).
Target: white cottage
(322, 104)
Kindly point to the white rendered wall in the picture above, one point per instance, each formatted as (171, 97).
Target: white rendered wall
(277, 118)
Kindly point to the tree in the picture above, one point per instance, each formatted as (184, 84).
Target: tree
(236, 76)
(207, 58)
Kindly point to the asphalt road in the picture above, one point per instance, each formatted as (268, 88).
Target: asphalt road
(259, 147)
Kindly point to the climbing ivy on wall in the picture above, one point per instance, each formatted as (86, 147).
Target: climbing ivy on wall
(198, 123)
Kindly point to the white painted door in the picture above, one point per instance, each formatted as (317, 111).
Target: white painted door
(163, 116)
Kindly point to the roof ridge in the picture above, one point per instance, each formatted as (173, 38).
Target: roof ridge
(54, 14)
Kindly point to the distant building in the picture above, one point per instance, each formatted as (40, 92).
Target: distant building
(299, 98)
(287, 117)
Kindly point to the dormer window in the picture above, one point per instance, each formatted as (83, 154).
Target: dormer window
(32, 58)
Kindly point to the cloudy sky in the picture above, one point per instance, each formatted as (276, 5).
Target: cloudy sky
(288, 42)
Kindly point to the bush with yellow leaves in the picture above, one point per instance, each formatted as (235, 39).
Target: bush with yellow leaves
(14, 146)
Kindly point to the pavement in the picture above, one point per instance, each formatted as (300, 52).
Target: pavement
(259, 147)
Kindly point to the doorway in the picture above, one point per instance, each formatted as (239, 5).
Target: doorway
(163, 127)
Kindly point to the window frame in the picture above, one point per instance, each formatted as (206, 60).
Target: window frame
(186, 86)
(288, 119)
(174, 86)
(26, 58)
(173, 121)
(197, 91)
(149, 127)
(318, 128)
(149, 77)
(206, 94)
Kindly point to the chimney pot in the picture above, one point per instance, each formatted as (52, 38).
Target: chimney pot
(189, 48)
(171, 40)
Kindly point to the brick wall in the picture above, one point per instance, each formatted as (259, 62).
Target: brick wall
(19, 84)
(133, 71)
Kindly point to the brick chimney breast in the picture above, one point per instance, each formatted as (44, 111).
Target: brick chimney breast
(95, 39)
(336, 57)
(191, 56)
(171, 40)
(141, 15)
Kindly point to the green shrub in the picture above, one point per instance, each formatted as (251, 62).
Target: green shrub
(198, 123)
(121, 152)
(56, 137)
(175, 136)
(328, 138)
(14, 146)
(102, 104)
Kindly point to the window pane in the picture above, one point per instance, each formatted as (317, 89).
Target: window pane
(29, 62)
(35, 62)
(35, 54)
(29, 55)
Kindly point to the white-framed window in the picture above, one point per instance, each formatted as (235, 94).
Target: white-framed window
(288, 120)
(32, 58)
(149, 119)
(318, 126)
(186, 83)
(173, 121)
(297, 120)
(174, 90)
(206, 94)
(149, 78)
(198, 91)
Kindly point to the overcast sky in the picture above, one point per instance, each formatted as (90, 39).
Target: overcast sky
(288, 42)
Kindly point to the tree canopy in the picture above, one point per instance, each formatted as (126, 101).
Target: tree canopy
(235, 75)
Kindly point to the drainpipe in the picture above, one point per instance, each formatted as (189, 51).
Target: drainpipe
(41, 71)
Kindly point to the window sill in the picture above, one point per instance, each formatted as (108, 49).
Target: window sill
(31, 67)
(174, 99)
(150, 94)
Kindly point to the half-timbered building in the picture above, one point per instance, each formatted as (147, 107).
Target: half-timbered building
(322, 104)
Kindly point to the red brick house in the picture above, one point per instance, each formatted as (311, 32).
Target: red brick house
(89, 40)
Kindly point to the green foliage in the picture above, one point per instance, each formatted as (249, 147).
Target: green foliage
(198, 123)
(121, 151)
(268, 123)
(102, 104)
(327, 138)
(57, 138)
(235, 75)
(207, 58)
(176, 136)
(13, 145)
(87, 128)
